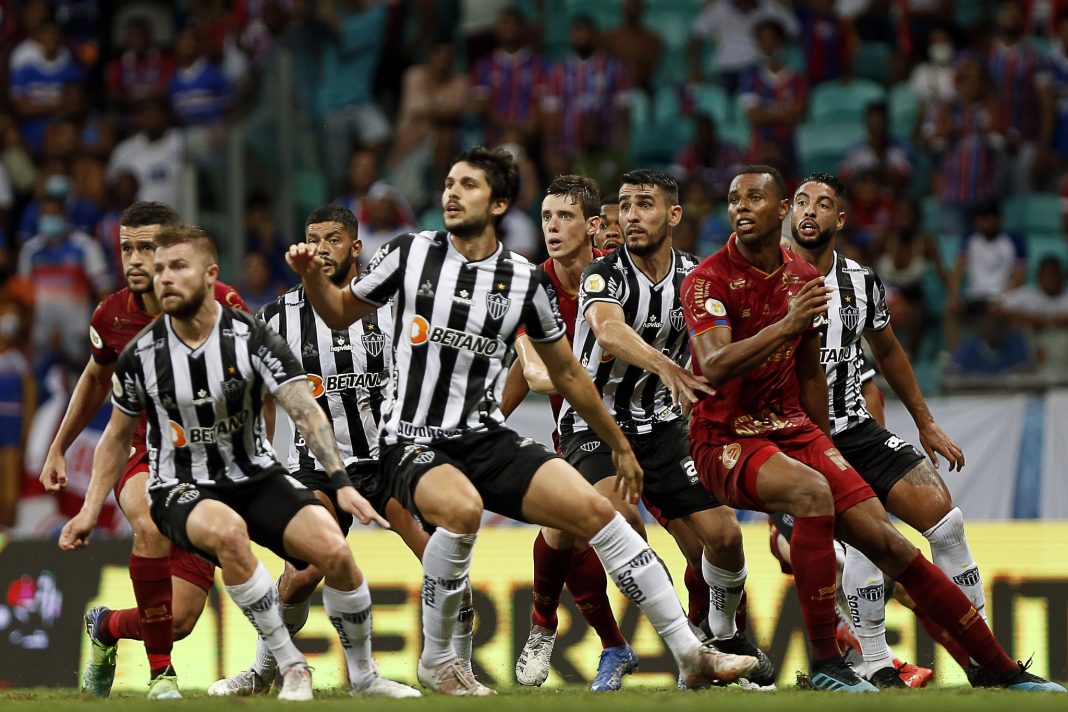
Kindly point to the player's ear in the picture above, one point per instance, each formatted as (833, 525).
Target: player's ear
(593, 225)
(357, 247)
(784, 208)
(674, 215)
(841, 219)
(499, 207)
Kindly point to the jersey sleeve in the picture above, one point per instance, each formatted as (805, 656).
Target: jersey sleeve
(702, 303)
(602, 281)
(541, 321)
(878, 313)
(127, 388)
(272, 358)
(385, 273)
(102, 353)
(229, 297)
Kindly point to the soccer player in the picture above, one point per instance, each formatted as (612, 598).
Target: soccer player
(609, 237)
(569, 222)
(904, 480)
(458, 300)
(762, 440)
(170, 584)
(198, 374)
(349, 374)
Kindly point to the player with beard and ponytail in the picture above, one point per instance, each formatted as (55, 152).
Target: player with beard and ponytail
(762, 441)
(170, 584)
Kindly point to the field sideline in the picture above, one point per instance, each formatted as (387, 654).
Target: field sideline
(556, 700)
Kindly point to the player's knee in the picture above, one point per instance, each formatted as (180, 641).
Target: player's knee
(726, 539)
(334, 558)
(465, 516)
(812, 497)
(231, 539)
(593, 516)
(184, 621)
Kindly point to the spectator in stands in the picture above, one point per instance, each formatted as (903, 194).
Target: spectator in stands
(364, 174)
(879, 152)
(829, 41)
(1023, 87)
(258, 285)
(386, 218)
(142, 71)
(774, 97)
(707, 158)
(871, 207)
(121, 194)
(57, 184)
(155, 155)
(996, 348)
(904, 256)
(1043, 308)
(1059, 66)
(33, 15)
(263, 235)
(932, 80)
(350, 54)
(18, 400)
(69, 274)
(508, 84)
(95, 129)
(477, 26)
(730, 25)
(15, 159)
(433, 98)
(38, 86)
(704, 227)
(199, 93)
(635, 45)
(7, 202)
(921, 18)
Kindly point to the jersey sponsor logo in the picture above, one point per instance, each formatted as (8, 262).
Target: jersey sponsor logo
(420, 332)
(729, 456)
(850, 316)
(498, 305)
(740, 283)
(653, 322)
(203, 398)
(407, 429)
(895, 443)
(715, 307)
(94, 338)
(232, 300)
(341, 344)
(594, 283)
(178, 438)
(464, 297)
(678, 320)
(182, 437)
(340, 382)
(833, 355)
(272, 362)
(690, 470)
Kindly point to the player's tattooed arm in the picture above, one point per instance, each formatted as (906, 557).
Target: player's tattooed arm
(309, 419)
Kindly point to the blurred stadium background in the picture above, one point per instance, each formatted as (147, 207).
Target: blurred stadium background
(947, 120)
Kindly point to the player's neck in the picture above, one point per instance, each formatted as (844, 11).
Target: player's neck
(476, 247)
(569, 269)
(821, 257)
(195, 330)
(655, 266)
(151, 302)
(764, 254)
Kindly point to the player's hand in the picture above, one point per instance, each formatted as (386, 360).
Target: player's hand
(686, 387)
(354, 503)
(935, 442)
(54, 473)
(75, 534)
(808, 304)
(628, 475)
(304, 259)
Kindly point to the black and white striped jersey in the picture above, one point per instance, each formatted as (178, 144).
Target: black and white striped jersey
(638, 399)
(204, 405)
(454, 325)
(858, 303)
(349, 371)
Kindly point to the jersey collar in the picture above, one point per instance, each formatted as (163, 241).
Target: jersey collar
(736, 257)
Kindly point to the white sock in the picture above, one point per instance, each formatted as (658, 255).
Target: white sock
(464, 632)
(446, 563)
(725, 590)
(258, 600)
(863, 586)
(641, 576)
(950, 552)
(294, 615)
(350, 614)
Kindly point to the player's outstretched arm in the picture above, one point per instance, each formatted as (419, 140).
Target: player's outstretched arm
(89, 394)
(534, 370)
(812, 381)
(112, 452)
(338, 306)
(296, 399)
(894, 365)
(574, 384)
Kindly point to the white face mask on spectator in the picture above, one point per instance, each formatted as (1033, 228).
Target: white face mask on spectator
(940, 53)
(10, 326)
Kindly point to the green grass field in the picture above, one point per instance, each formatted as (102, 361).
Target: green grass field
(558, 700)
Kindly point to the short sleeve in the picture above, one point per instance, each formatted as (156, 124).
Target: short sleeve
(272, 358)
(230, 297)
(541, 321)
(702, 303)
(878, 313)
(102, 353)
(602, 281)
(385, 273)
(127, 388)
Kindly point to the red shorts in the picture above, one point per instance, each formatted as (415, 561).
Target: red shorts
(730, 471)
(137, 463)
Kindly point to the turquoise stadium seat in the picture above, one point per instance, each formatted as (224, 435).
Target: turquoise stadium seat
(714, 101)
(641, 109)
(1041, 245)
(1033, 213)
(932, 214)
(844, 102)
(658, 143)
(872, 61)
(432, 219)
(821, 145)
(904, 110)
(606, 13)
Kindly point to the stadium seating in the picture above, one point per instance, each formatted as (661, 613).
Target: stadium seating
(904, 111)
(844, 102)
(822, 144)
(872, 61)
(655, 145)
(714, 101)
(1033, 213)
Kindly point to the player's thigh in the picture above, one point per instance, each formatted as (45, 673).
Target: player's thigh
(559, 497)
(212, 525)
(148, 541)
(786, 485)
(406, 527)
(444, 496)
(920, 498)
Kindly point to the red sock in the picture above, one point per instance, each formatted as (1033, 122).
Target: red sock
(152, 588)
(125, 623)
(698, 600)
(741, 616)
(815, 575)
(588, 585)
(550, 570)
(947, 606)
(941, 636)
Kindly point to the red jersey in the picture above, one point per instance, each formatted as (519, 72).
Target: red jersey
(726, 291)
(122, 316)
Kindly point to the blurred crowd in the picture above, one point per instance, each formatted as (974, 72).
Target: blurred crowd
(948, 121)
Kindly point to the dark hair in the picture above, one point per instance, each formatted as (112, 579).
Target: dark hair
(584, 19)
(502, 173)
(583, 192)
(827, 179)
(762, 169)
(612, 199)
(335, 213)
(1051, 261)
(879, 106)
(648, 176)
(770, 24)
(513, 13)
(149, 212)
(991, 206)
(172, 235)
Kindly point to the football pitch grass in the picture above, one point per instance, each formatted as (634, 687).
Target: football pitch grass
(562, 699)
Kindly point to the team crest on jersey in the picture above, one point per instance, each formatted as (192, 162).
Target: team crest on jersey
(233, 389)
(373, 342)
(498, 305)
(590, 446)
(729, 456)
(850, 316)
(678, 321)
